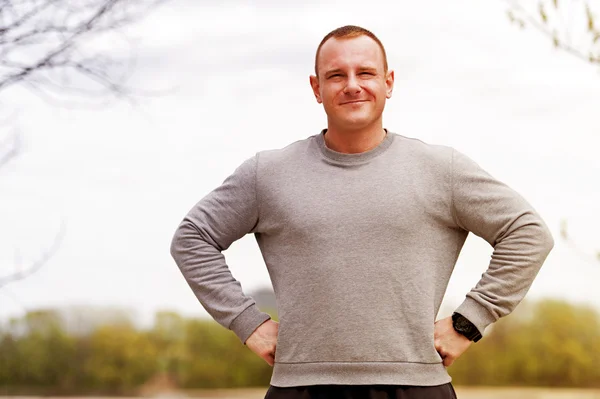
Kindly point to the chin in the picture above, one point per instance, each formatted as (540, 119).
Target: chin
(358, 122)
(354, 124)
(354, 119)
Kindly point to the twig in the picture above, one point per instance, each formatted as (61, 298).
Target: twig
(38, 263)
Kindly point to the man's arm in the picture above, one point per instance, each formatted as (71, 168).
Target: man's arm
(223, 216)
(521, 240)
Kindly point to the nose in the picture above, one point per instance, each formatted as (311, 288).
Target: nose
(352, 85)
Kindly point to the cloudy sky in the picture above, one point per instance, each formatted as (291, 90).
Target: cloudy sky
(233, 80)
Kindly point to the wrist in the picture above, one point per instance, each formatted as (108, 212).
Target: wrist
(463, 326)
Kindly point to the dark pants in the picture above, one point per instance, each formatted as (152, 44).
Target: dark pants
(445, 391)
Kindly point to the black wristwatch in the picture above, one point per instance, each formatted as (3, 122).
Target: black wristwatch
(463, 326)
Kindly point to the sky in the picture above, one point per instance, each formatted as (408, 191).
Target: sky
(228, 79)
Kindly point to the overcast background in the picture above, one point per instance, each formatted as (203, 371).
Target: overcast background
(234, 80)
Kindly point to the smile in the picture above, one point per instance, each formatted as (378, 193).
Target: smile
(354, 102)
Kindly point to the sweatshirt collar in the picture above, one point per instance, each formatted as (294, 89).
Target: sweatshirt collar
(353, 158)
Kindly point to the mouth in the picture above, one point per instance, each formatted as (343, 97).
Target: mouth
(354, 102)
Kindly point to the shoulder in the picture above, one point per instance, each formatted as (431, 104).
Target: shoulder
(423, 151)
(285, 154)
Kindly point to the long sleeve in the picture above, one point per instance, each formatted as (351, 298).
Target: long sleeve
(212, 225)
(521, 240)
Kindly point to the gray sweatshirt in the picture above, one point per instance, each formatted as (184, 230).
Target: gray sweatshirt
(360, 248)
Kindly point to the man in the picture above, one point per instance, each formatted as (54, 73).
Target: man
(360, 229)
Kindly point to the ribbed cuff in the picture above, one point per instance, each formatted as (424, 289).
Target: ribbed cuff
(476, 314)
(246, 322)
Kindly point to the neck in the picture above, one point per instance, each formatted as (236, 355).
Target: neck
(354, 141)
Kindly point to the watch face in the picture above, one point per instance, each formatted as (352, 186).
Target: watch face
(463, 325)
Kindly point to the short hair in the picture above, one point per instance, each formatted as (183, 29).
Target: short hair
(348, 32)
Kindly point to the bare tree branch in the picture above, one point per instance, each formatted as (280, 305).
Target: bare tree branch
(550, 17)
(576, 248)
(43, 39)
(27, 270)
(48, 60)
(40, 36)
(10, 147)
(24, 18)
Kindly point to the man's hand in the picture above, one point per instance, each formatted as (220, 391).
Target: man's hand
(449, 344)
(263, 341)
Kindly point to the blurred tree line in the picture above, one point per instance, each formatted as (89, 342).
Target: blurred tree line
(38, 355)
(547, 343)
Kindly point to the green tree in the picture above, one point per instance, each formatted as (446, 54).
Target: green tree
(38, 352)
(547, 343)
(119, 358)
(168, 334)
(217, 358)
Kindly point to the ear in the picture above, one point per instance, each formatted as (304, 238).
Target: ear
(389, 83)
(314, 83)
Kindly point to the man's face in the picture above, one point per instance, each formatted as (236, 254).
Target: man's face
(352, 84)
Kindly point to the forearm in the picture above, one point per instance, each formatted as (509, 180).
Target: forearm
(206, 271)
(520, 238)
(516, 261)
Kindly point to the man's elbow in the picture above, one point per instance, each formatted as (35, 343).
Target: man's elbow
(178, 241)
(173, 247)
(546, 241)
